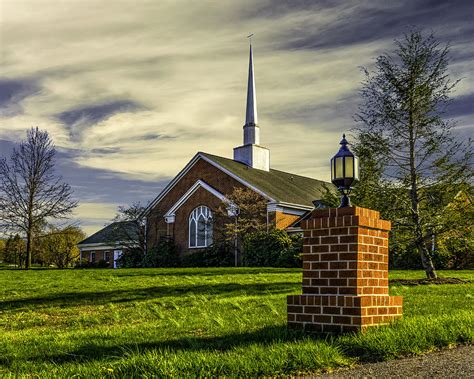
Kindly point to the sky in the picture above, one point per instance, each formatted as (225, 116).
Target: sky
(130, 90)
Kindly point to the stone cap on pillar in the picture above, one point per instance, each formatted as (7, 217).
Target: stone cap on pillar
(348, 216)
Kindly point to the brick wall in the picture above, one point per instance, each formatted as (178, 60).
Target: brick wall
(345, 272)
(99, 256)
(283, 220)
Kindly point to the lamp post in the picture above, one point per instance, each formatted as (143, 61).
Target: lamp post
(344, 172)
(234, 211)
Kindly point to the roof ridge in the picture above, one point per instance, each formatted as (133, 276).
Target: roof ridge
(271, 169)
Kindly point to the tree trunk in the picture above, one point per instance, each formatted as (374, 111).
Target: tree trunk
(419, 240)
(29, 240)
(426, 260)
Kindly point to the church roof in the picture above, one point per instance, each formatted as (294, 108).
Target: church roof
(284, 187)
(116, 232)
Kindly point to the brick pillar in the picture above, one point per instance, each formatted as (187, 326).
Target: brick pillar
(345, 273)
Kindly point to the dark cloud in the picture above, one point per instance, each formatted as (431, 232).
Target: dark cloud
(13, 92)
(6, 148)
(77, 120)
(155, 136)
(367, 22)
(97, 185)
(278, 8)
(106, 150)
(461, 106)
(102, 185)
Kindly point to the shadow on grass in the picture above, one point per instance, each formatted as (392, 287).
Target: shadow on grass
(97, 351)
(66, 299)
(211, 271)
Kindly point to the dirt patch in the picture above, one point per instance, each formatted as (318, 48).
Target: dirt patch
(418, 282)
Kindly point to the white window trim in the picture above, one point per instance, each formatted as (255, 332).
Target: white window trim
(170, 216)
(209, 218)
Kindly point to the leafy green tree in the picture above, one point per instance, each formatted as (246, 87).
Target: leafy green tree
(457, 243)
(251, 217)
(405, 141)
(2, 249)
(14, 251)
(252, 212)
(330, 198)
(59, 246)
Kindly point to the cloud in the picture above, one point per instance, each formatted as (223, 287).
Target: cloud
(461, 106)
(360, 22)
(130, 93)
(13, 92)
(77, 120)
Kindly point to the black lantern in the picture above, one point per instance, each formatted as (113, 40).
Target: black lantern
(344, 172)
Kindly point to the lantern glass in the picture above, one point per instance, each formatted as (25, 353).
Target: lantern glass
(339, 167)
(356, 168)
(349, 162)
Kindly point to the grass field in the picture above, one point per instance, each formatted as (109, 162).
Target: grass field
(200, 322)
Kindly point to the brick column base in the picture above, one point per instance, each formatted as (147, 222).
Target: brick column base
(345, 273)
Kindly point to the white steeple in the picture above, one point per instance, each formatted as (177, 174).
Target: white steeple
(251, 114)
(251, 153)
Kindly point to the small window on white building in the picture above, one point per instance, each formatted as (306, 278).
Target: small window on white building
(200, 227)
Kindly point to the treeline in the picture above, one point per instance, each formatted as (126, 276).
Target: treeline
(54, 247)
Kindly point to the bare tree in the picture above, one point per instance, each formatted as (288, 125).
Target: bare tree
(405, 132)
(30, 191)
(129, 227)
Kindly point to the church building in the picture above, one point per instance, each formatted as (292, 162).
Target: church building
(185, 208)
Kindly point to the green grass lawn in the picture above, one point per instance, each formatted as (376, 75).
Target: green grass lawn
(206, 322)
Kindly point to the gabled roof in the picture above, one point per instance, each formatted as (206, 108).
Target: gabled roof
(275, 185)
(281, 186)
(122, 231)
(192, 190)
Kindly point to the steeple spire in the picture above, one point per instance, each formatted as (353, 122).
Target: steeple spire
(251, 153)
(251, 114)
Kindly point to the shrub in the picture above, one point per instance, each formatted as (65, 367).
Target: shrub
(130, 258)
(404, 258)
(217, 255)
(458, 253)
(165, 254)
(273, 249)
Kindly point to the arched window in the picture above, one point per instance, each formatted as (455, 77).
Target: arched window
(200, 227)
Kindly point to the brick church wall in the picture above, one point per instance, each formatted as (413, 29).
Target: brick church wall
(157, 227)
(283, 220)
(211, 175)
